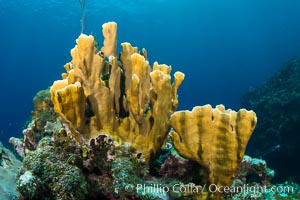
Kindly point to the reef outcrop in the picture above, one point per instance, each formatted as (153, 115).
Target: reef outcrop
(277, 105)
(110, 128)
(9, 166)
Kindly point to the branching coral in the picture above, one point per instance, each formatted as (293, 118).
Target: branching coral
(135, 104)
(124, 98)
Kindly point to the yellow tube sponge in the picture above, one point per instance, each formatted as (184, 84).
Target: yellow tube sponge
(215, 138)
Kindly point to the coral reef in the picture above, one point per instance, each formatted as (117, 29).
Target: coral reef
(50, 172)
(43, 123)
(277, 105)
(126, 99)
(250, 167)
(215, 138)
(102, 132)
(9, 167)
(253, 181)
(176, 166)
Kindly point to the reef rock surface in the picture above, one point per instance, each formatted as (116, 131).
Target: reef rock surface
(9, 167)
(277, 105)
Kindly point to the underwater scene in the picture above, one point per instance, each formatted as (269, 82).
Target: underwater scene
(150, 100)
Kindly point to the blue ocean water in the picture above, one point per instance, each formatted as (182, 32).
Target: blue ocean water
(224, 47)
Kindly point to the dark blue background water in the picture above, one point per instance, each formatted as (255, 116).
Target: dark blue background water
(223, 47)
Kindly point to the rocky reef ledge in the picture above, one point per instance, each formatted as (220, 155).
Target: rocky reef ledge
(9, 167)
(277, 105)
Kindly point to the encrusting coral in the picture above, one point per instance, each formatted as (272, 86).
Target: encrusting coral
(215, 138)
(123, 98)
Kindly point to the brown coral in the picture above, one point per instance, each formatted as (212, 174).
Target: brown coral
(124, 98)
(215, 138)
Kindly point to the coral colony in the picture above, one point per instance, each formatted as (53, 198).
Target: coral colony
(110, 130)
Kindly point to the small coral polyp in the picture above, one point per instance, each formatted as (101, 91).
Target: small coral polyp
(122, 97)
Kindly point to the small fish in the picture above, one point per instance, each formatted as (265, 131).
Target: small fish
(270, 150)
